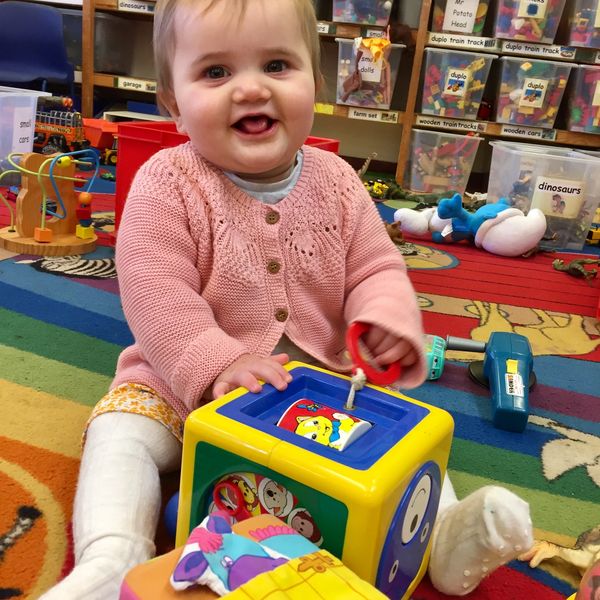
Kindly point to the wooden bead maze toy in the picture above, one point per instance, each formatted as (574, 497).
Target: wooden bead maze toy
(47, 220)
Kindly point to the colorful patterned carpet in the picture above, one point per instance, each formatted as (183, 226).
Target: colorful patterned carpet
(61, 335)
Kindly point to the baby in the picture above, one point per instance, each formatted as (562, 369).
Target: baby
(238, 251)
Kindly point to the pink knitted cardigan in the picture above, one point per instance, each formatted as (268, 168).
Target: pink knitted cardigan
(208, 273)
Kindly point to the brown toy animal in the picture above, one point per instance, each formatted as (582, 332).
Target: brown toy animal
(395, 232)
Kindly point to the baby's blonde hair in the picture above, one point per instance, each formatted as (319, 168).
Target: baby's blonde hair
(164, 39)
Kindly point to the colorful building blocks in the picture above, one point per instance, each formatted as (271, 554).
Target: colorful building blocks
(531, 21)
(454, 82)
(368, 12)
(531, 91)
(584, 23)
(374, 503)
(584, 101)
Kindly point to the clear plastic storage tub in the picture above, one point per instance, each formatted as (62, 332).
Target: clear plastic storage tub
(113, 41)
(17, 123)
(459, 16)
(584, 23)
(528, 20)
(561, 182)
(584, 100)
(454, 81)
(367, 77)
(531, 91)
(440, 162)
(367, 12)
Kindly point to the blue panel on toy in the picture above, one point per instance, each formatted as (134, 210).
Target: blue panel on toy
(392, 418)
(409, 533)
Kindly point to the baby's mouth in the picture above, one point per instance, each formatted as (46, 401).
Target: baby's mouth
(254, 124)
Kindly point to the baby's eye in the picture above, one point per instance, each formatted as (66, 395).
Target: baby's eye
(215, 72)
(276, 66)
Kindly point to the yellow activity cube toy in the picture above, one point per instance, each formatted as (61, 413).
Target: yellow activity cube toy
(372, 504)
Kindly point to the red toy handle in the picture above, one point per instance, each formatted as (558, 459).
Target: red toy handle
(375, 375)
(240, 512)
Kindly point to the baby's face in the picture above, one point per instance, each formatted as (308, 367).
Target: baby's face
(243, 88)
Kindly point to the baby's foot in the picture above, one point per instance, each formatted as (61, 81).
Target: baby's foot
(98, 579)
(101, 569)
(475, 536)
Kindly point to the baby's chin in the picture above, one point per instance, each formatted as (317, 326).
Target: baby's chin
(265, 175)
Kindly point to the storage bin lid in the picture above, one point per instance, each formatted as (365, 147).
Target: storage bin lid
(486, 55)
(10, 90)
(524, 59)
(351, 41)
(543, 152)
(447, 134)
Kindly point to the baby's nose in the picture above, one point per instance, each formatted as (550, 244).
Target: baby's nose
(251, 89)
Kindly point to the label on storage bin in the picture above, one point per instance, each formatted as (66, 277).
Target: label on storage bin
(460, 15)
(468, 42)
(597, 19)
(365, 114)
(543, 50)
(375, 33)
(533, 93)
(457, 82)
(370, 70)
(139, 85)
(534, 9)
(452, 124)
(24, 126)
(136, 6)
(558, 197)
(528, 132)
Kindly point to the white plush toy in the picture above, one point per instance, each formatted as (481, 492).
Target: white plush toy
(497, 228)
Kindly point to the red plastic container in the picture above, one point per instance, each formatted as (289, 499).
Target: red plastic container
(139, 140)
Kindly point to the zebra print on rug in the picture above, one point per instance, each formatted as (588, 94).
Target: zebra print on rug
(75, 266)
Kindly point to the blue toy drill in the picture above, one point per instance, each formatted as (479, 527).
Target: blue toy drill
(507, 369)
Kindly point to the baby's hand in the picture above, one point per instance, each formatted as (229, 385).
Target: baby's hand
(248, 369)
(386, 348)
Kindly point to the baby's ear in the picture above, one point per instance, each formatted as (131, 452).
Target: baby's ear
(168, 104)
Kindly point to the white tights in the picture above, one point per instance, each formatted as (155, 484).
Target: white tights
(118, 501)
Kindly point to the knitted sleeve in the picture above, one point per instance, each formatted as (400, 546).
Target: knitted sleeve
(160, 258)
(378, 289)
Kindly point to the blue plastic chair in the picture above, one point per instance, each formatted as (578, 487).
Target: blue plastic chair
(32, 47)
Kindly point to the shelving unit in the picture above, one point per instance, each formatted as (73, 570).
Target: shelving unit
(408, 117)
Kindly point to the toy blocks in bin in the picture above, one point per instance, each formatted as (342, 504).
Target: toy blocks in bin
(452, 16)
(366, 12)
(531, 91)
(367, 71)
(440, 162)
(584, 100)
(561, 182)
(454, 81)
(528, 20)
(372, 505)
(584, 23)
(139, 140)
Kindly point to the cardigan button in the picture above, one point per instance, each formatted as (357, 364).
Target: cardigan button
(273, 267)
(272, 217)
(281, 314)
